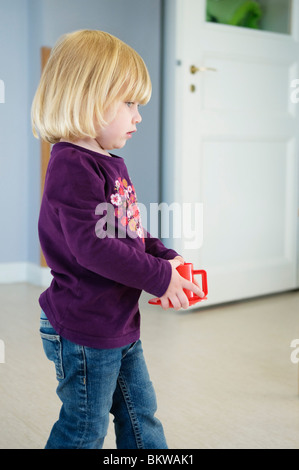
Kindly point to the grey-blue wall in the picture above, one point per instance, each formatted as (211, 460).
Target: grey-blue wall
(25, 26)
(14, 131)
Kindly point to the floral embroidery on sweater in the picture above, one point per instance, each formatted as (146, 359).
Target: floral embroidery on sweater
(126, 208)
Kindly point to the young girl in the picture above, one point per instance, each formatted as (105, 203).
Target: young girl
(87, 105)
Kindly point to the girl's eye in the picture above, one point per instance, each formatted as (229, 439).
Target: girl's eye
(131, 103)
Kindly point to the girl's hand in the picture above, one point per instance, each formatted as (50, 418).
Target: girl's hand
(180, 259)
(175, 292)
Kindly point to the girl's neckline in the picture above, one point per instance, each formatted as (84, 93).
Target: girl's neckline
(84, 149)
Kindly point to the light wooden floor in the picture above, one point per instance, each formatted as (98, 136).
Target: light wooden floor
(223, 375)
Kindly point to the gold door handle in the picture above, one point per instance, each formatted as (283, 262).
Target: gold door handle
(194, 69)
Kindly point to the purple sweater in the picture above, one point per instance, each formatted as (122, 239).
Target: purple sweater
(100, 260)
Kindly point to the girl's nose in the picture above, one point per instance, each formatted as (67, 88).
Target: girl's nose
(137, 117)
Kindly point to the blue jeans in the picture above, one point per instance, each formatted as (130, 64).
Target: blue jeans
(95, 382)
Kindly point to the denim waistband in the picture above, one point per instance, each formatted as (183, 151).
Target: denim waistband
(43, 316)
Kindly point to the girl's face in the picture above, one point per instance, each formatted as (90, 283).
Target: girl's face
(121, 127)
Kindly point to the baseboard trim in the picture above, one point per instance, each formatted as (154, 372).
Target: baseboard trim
(11, 273)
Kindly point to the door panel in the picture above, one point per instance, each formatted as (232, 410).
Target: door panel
(256, 217)
(245, 85)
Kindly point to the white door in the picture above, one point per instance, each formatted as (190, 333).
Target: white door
(231, 143)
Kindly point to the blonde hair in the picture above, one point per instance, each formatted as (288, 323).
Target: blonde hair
(88, 71)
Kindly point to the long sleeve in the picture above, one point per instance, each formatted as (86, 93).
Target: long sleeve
(155, 247)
